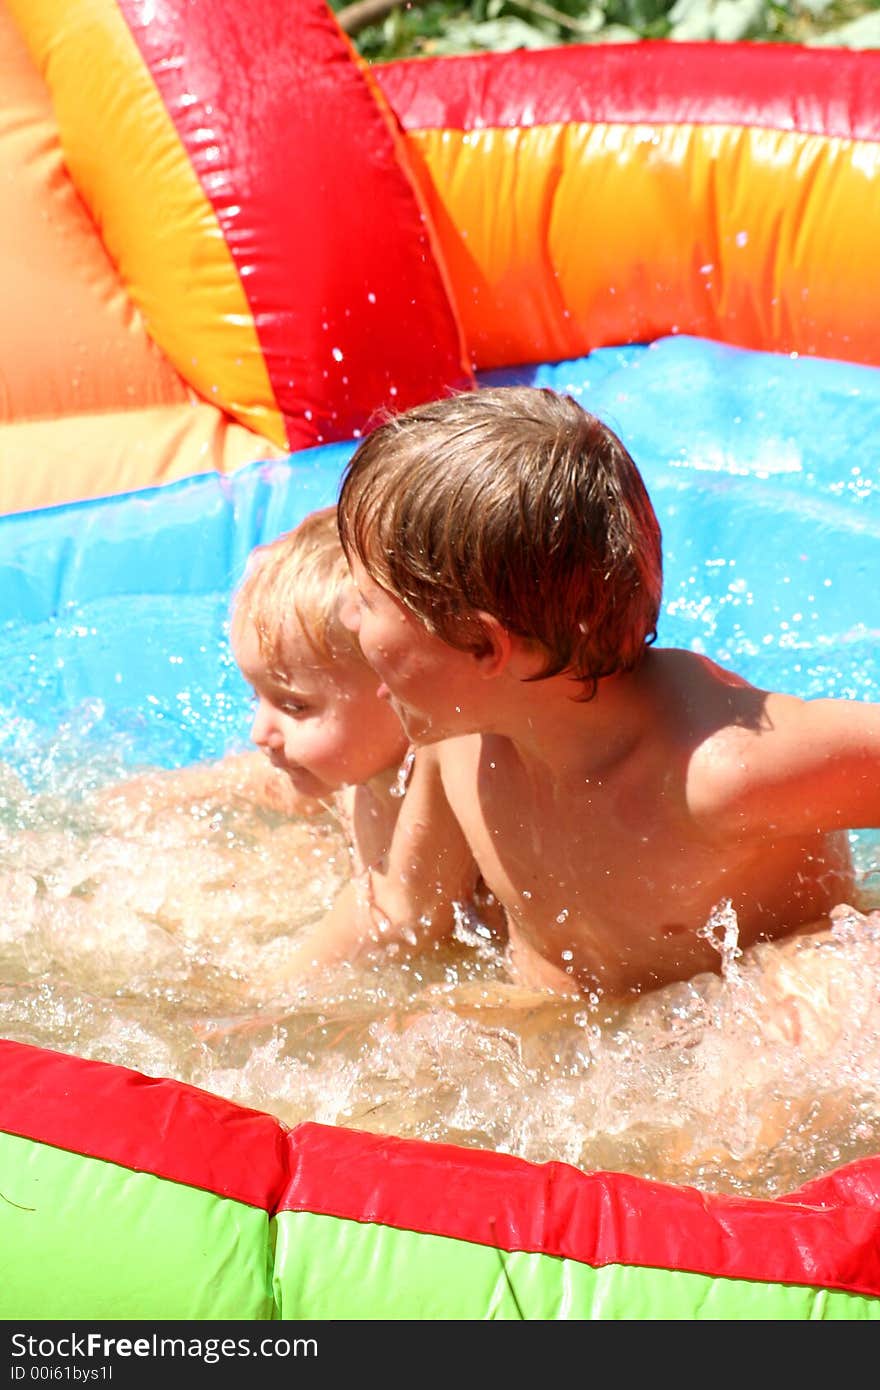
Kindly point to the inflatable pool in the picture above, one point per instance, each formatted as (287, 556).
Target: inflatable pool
(682, 236)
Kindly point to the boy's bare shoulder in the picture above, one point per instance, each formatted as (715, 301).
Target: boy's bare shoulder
(456, 759)
(762, 759)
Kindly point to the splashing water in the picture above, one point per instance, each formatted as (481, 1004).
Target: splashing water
(722, 932)
(404, 773)
(135, 941)
(135, 938)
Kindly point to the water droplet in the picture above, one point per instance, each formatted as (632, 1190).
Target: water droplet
(403, 775)
(722, 933)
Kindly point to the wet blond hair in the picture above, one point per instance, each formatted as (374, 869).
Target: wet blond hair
(517, 502)
(303, 574)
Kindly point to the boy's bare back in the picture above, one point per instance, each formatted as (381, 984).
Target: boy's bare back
(609, 867)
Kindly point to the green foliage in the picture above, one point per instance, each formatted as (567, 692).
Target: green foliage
(474, 26)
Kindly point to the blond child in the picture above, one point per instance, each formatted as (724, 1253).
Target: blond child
(330, 743)
(316, 716)
(616, 797)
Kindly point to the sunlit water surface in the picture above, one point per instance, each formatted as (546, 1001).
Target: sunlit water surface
(138, 944)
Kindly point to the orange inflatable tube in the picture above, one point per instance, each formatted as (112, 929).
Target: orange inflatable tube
(588, 196)
(230, 239)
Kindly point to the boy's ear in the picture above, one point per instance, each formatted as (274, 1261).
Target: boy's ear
(507, 652)
(499, 646)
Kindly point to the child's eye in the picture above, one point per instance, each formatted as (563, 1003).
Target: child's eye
(289, 707)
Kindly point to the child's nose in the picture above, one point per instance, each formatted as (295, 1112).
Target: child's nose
(265, 732)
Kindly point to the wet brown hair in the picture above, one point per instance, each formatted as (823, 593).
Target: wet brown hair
(517, 502)
(303, 574)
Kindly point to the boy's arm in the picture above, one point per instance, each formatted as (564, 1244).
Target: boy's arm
(408, 899)
(429, 866)
(244, 777)
(814, 767)
(341, 935)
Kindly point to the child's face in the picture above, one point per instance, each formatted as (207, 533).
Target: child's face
(431, 685)
(319, 721)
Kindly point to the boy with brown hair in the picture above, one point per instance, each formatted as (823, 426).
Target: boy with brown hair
(614, 795)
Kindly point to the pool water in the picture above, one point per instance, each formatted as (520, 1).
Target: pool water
(139, 944)
(140, 940)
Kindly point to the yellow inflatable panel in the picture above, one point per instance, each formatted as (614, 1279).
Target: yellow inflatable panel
(567, 237)
(109, 453)
(72, 342)
(155, 220)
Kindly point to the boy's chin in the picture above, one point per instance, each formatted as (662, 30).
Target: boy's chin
(420, 728)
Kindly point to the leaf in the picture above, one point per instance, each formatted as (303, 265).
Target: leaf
(724, 20)
(863, 32)
(494, 35)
